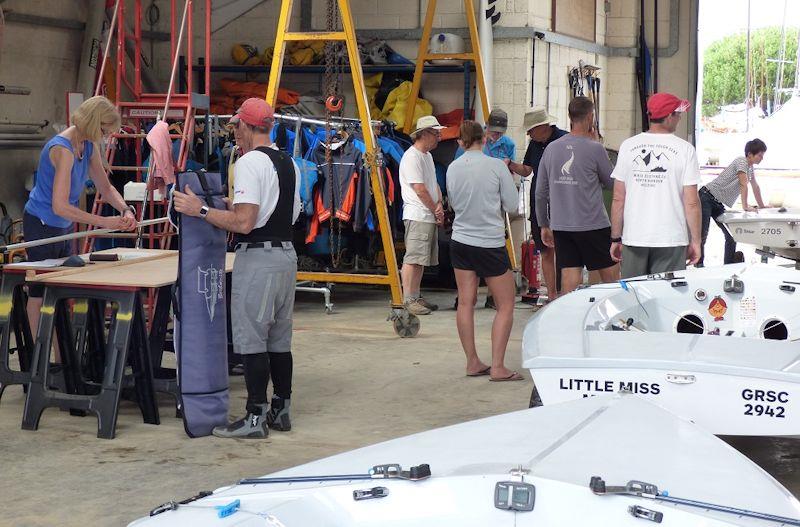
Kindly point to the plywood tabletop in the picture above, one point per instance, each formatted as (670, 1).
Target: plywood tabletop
(152, 273)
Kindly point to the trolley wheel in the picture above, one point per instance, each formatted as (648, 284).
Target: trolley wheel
(536, 401)
(406, 325)
(328, 309)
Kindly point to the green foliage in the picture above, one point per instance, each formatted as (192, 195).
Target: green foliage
(724, 76)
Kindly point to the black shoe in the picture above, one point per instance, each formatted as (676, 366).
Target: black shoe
(251, 426)
(490, 303)
(278, 415)
(236, 370)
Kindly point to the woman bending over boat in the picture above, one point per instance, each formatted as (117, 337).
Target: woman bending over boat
(725, 189)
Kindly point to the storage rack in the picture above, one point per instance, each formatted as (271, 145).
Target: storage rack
(467, 68)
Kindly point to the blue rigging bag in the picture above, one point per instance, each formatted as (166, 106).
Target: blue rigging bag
(199, 307)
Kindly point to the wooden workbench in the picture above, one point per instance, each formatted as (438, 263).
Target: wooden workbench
(158, 270)
(13, 317)
(105, 284)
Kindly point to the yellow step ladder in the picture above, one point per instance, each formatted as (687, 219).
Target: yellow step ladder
(405, 324)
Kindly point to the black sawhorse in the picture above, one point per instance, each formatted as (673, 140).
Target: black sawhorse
(164, 379)
(13, 318)
(127, 343)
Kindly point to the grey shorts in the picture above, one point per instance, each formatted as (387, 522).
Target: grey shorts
(641, 261)
(262, 300)
(422, 243)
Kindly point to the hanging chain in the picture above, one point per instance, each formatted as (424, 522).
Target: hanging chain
(330, 81)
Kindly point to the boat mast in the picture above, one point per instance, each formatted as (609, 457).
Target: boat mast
(747, 93)
(797, 66)
(781, 61)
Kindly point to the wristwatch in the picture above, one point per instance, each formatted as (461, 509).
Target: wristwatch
(204, 211)
(618, 239)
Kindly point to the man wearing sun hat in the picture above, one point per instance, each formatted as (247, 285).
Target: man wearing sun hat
(655, 215)
(542, 131)
(266, 203)
(422, 212)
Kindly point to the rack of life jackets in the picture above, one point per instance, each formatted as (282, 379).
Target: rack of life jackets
(338, 228)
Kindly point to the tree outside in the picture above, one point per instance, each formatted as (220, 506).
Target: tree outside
(724, 68)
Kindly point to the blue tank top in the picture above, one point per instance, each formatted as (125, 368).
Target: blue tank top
(40, 201)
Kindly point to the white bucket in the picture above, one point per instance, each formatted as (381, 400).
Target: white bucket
(446, 43)
(133, 191)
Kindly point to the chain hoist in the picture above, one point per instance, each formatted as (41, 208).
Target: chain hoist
(333, 104)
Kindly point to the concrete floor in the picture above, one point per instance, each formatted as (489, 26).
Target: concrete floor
(355, 384)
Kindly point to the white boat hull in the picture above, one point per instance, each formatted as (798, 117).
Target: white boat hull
(709, 358)
(739, 405)
(777, 231)
(557, 449)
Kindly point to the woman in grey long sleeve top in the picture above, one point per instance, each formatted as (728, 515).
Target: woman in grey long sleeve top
(479, 189)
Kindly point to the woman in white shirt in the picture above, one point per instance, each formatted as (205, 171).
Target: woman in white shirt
(479, 188)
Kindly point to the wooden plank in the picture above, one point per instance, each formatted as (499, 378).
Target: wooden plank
(29, 266)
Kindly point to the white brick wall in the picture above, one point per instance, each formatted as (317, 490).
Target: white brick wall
(512, 66)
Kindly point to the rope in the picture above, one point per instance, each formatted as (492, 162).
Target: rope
(107, 48)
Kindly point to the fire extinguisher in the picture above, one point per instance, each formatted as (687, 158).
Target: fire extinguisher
(531, 269)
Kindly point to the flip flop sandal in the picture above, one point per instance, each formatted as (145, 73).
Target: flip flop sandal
(481, 373)
(515, 376)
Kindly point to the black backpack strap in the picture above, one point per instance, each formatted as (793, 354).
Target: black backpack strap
(201, 177)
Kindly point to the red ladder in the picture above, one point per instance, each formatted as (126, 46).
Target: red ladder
(174, 107)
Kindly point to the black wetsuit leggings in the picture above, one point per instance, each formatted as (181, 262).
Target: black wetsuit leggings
(258, 368)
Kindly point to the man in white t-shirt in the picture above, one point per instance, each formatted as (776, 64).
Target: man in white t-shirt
(266, 203)
(655, 215)
(422, 212)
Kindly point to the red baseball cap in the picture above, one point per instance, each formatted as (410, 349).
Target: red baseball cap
(660, 105)
(255, 112)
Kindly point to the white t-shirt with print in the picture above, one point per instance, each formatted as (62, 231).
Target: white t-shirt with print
(256, 182)
(417, 167)
(655, 168)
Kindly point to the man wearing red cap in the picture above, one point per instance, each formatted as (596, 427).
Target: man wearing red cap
(266, 203)
(655, 215)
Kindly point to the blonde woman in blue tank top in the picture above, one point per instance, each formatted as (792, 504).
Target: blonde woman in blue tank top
(66, 162)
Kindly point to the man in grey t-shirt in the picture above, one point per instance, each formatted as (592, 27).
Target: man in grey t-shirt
(572, 171)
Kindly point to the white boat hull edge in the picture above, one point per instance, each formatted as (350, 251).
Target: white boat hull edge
(449, 502)
(741, 405)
